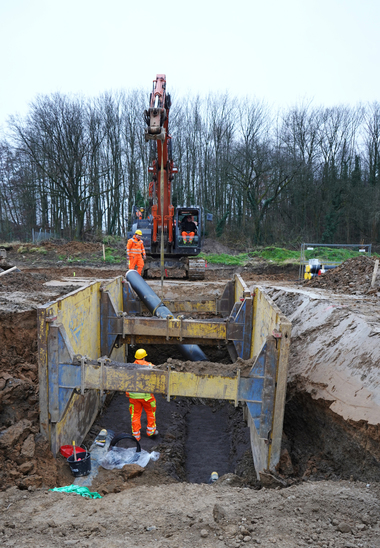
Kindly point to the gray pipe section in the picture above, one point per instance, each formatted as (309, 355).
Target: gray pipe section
(190, 352)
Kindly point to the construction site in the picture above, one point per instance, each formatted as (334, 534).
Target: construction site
(315, 483)
(266, 383)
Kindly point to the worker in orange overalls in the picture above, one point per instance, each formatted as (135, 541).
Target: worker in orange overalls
(136, 252)
(139, 213)
(139, 401)
(189, 229)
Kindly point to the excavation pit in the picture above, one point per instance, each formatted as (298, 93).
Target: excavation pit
(318, 443)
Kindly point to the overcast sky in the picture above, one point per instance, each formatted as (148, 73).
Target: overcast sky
(283, 51)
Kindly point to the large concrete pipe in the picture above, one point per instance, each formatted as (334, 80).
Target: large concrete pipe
(154, 304)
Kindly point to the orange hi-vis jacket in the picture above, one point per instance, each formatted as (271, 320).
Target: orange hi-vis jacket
(140, 395)
(138, 401)
(135, 248)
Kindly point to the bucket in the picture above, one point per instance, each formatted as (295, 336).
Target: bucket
(80, 467)
(67, 451)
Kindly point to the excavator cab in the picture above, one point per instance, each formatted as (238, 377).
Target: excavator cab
(188, 230)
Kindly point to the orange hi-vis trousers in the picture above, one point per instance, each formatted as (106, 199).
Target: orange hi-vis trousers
(188, 236)
(136, 260)
(136, 405)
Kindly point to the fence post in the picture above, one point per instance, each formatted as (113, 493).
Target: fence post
(375, 272)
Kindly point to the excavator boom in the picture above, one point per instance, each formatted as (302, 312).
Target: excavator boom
(164, 221)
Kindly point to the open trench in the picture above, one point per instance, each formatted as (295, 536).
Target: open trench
(196, 437)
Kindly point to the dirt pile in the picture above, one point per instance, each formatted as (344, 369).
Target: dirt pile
(56, 253)
(61, 246)
(23, 281)
(210, 368)
(323, 514)
(31, 283)
(354, 276)
(23, 291)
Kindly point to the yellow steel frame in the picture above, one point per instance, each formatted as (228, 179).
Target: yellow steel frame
(77, 317)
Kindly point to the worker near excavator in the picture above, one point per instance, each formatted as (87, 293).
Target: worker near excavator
(139, 213)
(139, 401)
(136, 252)
(189, 229)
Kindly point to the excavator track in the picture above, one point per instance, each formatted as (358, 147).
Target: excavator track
(196, 269)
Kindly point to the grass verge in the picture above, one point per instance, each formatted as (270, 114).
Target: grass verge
(281, 256)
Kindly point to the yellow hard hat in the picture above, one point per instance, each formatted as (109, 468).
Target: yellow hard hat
(138, 232)
(140, 354)
(141, 209)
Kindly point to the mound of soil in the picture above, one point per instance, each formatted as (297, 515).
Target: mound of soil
(354, 276)
(214, 246)
(23, 281)
(21, 291)
(67, 248)
(323, 514)
(210, 368)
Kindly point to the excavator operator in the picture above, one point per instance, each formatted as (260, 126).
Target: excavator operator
(136, 252)
(189, 229)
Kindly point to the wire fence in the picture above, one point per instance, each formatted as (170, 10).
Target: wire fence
(41, 235)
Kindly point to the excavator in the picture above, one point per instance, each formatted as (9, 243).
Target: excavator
(162, 225)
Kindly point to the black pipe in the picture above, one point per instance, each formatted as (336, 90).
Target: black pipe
(190, 352)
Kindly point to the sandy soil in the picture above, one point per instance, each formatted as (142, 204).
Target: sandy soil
(329, 464)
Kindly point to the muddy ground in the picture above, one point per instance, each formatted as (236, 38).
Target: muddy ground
(329, 469)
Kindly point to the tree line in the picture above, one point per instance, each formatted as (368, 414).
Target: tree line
(76, 166)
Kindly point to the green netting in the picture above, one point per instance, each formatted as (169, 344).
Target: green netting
(82, 491)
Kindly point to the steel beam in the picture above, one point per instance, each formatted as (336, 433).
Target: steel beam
(182, 329)
(209, 306)
(140, 340)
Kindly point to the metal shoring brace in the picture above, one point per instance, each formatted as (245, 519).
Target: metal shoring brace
(102, 361)
(168, 381)
(237, 388)
(83, 360)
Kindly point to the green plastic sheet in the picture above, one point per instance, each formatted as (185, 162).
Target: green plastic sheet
(82, 491)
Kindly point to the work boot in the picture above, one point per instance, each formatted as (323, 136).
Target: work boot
(155, 433)
(137, 435)
(184, 241)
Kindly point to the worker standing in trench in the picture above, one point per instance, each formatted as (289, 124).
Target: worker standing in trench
(136, 252)
(139, 401)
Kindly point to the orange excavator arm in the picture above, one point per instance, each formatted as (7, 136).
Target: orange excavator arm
(157, 120)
